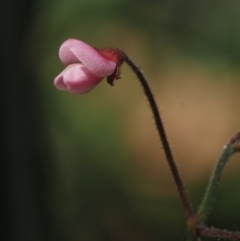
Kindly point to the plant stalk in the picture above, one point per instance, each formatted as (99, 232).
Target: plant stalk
(210, 193)
(161, 131)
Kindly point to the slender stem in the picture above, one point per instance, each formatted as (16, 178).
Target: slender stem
(217, 233)
(181, 189)
(211, 190)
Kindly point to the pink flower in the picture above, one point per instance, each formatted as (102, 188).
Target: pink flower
(86, 66)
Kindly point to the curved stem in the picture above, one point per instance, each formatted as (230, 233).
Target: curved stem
(232, 147)
(211, 190)
(181, 189)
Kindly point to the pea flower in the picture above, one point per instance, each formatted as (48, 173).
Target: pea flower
(86, 66)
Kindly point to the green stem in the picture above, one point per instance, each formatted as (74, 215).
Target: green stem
(211, 190)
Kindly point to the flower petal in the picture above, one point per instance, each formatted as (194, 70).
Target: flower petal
(79, 79)
(75, 51)
(59, 83)
(66, 56)
(95, 61)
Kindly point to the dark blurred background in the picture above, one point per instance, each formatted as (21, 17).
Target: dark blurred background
(91, 167)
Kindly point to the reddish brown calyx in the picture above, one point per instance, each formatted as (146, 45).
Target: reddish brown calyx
(118, 56)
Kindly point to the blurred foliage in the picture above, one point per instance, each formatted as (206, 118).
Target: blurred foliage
(98, 191)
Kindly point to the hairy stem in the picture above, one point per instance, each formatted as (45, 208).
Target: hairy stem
(210, 193)
(217, 233)
(181, 189)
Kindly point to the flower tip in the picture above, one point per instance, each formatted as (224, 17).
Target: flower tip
(59, 83)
